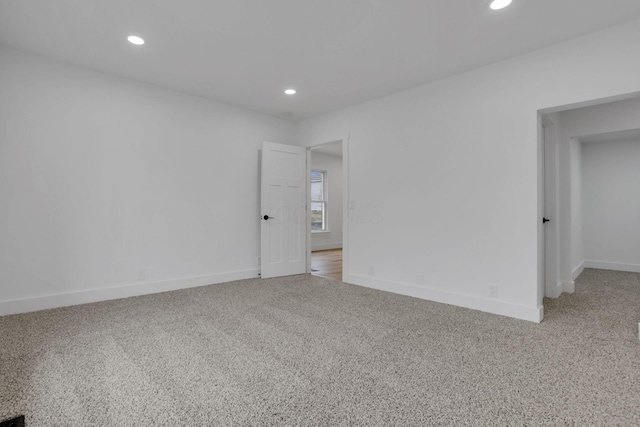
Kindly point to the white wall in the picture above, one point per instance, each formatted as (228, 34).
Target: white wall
(444, 176)
(332, 165)
(611, 204)
(101, 177)
(572, 124)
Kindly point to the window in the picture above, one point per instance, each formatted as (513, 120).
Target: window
(318, 201)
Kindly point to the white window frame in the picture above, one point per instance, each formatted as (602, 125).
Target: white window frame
(324, 201)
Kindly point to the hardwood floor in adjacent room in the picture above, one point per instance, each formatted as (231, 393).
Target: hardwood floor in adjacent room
(327, 263)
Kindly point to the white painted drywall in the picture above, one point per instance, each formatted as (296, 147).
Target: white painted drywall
(101, 177)
(332, 165)
(611, 203)
(443, 178)
(572, 124)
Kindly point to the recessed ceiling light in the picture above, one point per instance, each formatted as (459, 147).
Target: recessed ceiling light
(135, 40)
(290, 91)
(499, 4)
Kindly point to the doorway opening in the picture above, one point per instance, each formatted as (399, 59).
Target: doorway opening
(286, 238)
(327, 263)
(326, 205)
(588, 157)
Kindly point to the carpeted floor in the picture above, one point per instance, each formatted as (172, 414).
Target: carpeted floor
(306, 350)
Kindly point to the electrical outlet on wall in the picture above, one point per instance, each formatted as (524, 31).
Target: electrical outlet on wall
(372, 270)
(141, 275)
(420, 279)
(493, 291)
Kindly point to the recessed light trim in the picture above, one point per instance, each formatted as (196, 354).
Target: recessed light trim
(499, 4)
(290, 91)
(136, 40)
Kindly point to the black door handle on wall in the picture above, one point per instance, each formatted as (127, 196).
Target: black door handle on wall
(266, 217)
(545, 220)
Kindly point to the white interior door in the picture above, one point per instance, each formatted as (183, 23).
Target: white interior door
(283, 213)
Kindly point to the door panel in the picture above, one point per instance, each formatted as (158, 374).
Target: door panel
(283, 200)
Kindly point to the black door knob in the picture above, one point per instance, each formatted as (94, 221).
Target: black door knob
(266, 217)
(545, 220)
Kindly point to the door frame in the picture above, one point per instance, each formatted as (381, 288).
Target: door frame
(345, 204)
(559, 184)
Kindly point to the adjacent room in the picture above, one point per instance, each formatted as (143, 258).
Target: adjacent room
(224, 212)
(326, 210)
(597, 175)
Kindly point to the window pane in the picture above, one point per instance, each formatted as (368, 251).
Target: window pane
(317, 216)
(317, 186)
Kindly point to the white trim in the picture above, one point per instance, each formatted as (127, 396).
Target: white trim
(103, 294)
(578, 270)
(568, 287)
(326, 246)
(308, 210)
(606, 265)
(554, 291)
(589, 103)
(560, 288)
(489, 305)
(346, 140)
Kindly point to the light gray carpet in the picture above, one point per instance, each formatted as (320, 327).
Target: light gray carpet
(307, 350)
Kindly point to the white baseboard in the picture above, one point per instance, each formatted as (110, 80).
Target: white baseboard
(103, 294)
(605, 265)
(326, 246)
(577, 271)
(553, 291)
(568, 287)
(489, 305)
(559, 289)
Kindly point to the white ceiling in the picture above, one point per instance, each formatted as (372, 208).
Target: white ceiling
(335, 52)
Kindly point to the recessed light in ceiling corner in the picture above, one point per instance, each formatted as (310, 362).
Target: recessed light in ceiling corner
(135, 40)
(290, 91)
(499, 4)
